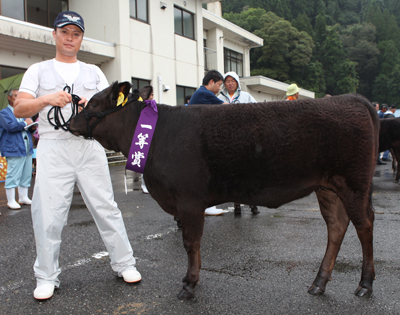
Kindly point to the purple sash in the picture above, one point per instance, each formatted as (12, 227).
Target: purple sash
(142, 137)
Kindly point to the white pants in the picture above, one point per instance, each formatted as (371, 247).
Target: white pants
(61, 164)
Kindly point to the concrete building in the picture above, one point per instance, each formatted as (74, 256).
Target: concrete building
(168, 44)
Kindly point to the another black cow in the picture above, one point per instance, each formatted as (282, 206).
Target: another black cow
(389, 139)
(266, 154)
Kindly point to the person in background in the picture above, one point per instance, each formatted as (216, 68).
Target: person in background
(232, 93)
(64, 160)
(292, 92)
(380, 115)
(388, 114)
(146, 93)
(378, 111)
(17, 147)
(206, 94)
(187, 99)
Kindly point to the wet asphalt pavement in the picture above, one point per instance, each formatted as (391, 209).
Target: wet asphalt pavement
(252, 264)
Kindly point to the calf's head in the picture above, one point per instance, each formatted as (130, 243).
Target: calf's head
(101, 118)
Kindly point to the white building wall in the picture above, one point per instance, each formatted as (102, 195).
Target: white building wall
(131, 48)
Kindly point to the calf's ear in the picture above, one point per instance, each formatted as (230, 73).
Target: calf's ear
(118, 88)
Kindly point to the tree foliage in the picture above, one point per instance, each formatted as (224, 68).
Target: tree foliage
(326, 46)
(285, 50)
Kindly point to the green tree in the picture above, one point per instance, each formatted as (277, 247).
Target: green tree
(389, 57)
(394, 86)
(319, 35)
(347, 77)
(249, 19)
(381, 89)
(303, 23)
(285, 50)
(375, 16)
(340, 73)
(312, 77)
(393, 31)
(360, 46)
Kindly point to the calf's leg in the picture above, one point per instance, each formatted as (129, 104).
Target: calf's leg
(192, 230)
(359, 210)
(395, 163)
(337, 221)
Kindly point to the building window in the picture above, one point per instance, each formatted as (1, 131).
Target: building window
(182, 92)
(138, 10)
(41, 12)
(233, 61)
(139, 83)
(209, 57)
(6, 72)
(184, 23)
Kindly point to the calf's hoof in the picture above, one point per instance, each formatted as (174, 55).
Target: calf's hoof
(254, 210)
(363, 292)
(237, 211)
(315, 290)
(178, 222)
(185, 295)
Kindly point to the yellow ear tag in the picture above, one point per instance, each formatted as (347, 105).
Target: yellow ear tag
(121, 99)
(140, 99)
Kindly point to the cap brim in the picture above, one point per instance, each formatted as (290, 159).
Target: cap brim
(71, 23)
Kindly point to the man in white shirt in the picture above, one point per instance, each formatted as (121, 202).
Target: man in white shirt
(64, 160)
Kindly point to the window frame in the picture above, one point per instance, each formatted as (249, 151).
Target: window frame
(139, 80)
(183, 24)
(184, 92)
(229, 53)
(136, 10)
(25, 13)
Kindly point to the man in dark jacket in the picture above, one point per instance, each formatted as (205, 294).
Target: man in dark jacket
(16, 146)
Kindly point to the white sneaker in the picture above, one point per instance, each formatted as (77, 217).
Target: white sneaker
(131, 276)
(44, 292)
(213, 211)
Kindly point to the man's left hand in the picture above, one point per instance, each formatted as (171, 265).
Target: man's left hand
(82, 101)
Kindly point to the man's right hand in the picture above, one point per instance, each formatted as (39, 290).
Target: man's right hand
(59, 99)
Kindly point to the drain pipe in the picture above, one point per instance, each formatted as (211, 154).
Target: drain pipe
(159, 90)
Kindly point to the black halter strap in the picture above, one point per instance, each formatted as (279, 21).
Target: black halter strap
(99, 116)
(58, 117)
(59, 121)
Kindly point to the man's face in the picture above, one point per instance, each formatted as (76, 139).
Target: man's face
(215, 86)
(377, 107)
(11, 99)
(68, 40)
(231, 84)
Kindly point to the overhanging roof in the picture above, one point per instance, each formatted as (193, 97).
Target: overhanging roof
(29, 38)
(272, 87)
(231, 31)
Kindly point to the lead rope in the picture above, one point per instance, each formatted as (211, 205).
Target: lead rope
(58, 117)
